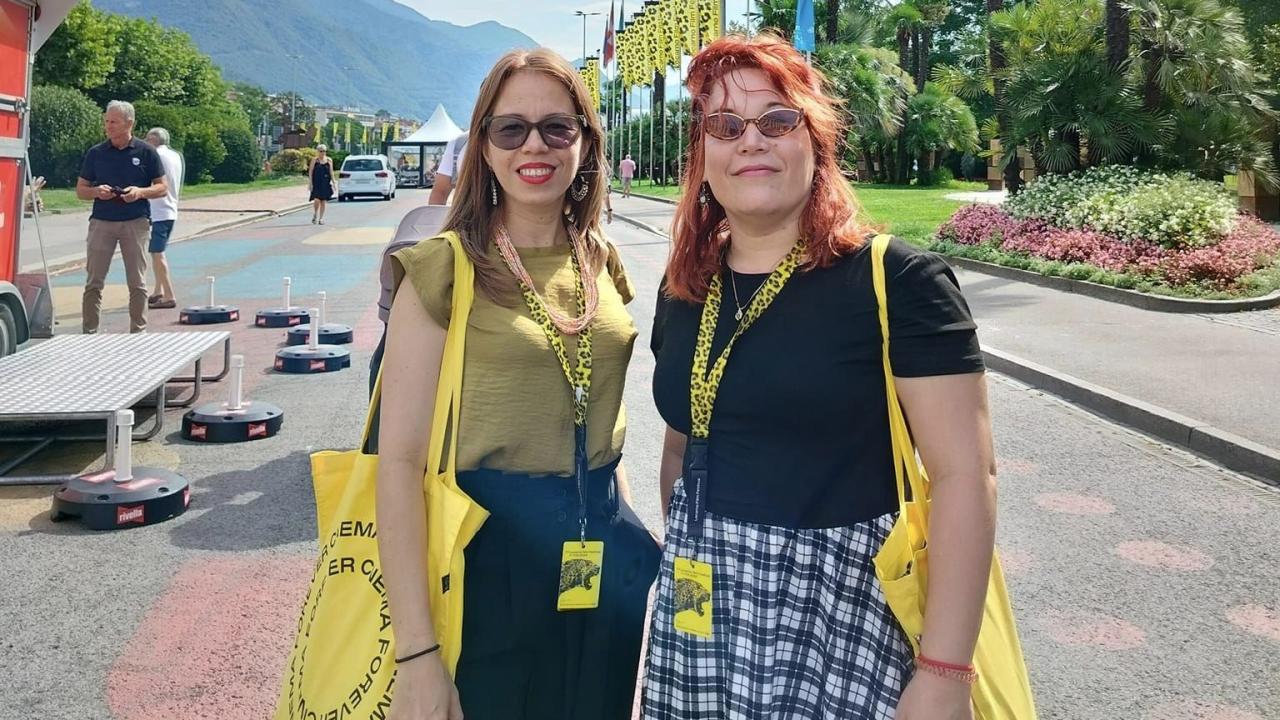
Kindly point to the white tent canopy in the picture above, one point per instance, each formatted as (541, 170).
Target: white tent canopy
(439, 129)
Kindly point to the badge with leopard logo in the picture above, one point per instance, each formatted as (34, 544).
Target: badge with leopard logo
(693, 597)
(581, 565)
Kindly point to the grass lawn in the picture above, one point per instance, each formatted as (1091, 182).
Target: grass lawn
(912, 213)
(64, 199)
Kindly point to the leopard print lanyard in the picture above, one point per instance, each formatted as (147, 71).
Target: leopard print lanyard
(579, 376)
(704, 383)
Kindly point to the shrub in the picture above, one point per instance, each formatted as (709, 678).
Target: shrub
(1169, 210)
(64, 124)
(242, 162)
(1051, 197)
(293, 161)
(984, 232)
(1173, 212)
(203, 152)
(169, 117)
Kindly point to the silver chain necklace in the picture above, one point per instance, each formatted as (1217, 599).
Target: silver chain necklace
(733, 282)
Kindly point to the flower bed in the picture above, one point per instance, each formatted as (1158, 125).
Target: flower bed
(1124, 228)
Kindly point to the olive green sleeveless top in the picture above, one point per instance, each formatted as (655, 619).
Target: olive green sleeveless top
(517, 412)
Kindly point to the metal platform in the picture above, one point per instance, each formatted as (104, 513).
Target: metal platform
(90, 377)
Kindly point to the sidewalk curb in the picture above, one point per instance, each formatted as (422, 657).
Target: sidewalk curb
(1145, 301)
(638, 223)
(67, 263)
(1220, 446)
(654, 198)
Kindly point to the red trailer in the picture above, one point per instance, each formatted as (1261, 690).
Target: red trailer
(26, 308)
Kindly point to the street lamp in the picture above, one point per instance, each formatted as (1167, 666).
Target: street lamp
(584, 16)
(293, 101)
(748, 15)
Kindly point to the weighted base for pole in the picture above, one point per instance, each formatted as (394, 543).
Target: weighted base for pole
(280, 317)
(215, 423)
(100, 503)
(330, 334)
(306, 359)
(208, 314)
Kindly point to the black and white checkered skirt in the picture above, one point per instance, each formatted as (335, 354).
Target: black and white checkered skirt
(800, 627)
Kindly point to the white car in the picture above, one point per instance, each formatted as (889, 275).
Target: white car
(366, 175)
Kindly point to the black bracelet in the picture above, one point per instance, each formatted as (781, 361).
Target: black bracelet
(416, 655)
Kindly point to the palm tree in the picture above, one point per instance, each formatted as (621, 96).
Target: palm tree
(1060, 95)
(780, 15)
(1197, 69)
(1117, 34)
(875, 90)
(939, 122)
(906, 19)
(998, 64)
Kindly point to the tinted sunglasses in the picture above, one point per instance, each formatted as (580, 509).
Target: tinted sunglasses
(774, 123)
(508, 132)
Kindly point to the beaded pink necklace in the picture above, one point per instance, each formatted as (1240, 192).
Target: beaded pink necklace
(564, 323)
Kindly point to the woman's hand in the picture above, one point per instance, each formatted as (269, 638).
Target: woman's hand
(424, 691)
(931, 697)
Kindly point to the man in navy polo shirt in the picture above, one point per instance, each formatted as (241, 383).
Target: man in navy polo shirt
(119, 175)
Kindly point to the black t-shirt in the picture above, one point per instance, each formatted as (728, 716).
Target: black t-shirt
(799, 433)
(137, 165)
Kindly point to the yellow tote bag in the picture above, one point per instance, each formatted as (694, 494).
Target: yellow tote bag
(342, 662)
(1003, 691)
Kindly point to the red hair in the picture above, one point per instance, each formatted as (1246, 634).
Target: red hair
(829, 223)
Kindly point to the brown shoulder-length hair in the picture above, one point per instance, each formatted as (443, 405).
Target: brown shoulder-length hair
(829, 223)
(473, 215)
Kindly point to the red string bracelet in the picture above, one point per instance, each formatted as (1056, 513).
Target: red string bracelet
(963, 673)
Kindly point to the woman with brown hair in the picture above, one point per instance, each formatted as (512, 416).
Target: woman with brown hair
(777, 473)
(541, 430)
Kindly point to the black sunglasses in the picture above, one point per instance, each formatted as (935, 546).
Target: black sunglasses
(508, 132)
(730, 126)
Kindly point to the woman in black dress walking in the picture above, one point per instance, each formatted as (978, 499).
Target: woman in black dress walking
(321, 183)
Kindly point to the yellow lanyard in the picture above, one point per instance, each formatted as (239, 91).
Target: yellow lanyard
(579, 377)
(704, 384)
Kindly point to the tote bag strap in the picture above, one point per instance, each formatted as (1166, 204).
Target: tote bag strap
(906, 468)
(444, 420)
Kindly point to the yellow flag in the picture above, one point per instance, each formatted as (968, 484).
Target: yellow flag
(710, 14)
(590, 73)
(689, 23)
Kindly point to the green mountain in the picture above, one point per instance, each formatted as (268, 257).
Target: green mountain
(370, 53)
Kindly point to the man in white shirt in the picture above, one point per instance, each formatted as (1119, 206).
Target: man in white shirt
(450, 165)
(164, 211)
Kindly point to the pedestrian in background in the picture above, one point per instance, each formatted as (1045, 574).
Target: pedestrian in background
(542, 424)
(626, 171)
(777, 478)
(321, 182)
(116, 175)
(450, 166)
(164, 213)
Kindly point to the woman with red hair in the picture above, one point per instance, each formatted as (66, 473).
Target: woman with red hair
(777, 472)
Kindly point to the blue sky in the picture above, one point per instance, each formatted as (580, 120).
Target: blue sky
(552, 24)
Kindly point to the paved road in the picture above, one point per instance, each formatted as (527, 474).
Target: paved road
(1145, 580)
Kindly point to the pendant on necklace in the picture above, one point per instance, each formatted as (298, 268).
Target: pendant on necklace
(738, 315)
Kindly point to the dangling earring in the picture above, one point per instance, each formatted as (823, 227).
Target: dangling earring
(569, 215)
(493, 189)
(704, 196)
(578, 190)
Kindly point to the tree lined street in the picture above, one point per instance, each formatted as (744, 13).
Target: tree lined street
(1143, 577)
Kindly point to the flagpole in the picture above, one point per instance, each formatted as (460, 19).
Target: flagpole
(652, 127)
(680, 125)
